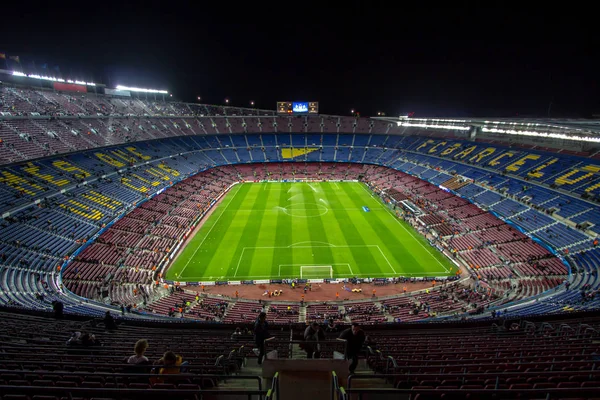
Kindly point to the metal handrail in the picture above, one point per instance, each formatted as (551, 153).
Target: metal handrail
(478, 375)
(136, 376)
(129, 393)
(507, 393)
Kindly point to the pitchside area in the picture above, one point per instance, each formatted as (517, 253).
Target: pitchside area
(305, 230)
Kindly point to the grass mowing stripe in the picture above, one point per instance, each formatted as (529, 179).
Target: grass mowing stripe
(335, 234)
(394, 246)
(249, 236)
(364, 259)
(209, 260)
(192, 251)
(296, 205)
(316, 229)
(368, 236)
(283, 233)
(429, 257)
(260, 261)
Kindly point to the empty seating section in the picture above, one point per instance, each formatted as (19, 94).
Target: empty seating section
(528, 356)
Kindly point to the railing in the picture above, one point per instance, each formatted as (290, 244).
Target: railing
(145, 393)
(346, 393)
(118, 393)
(285, 349)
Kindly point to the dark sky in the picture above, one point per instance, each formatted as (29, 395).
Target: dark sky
(436, 60)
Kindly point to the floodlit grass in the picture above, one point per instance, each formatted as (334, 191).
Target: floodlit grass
(277, 230)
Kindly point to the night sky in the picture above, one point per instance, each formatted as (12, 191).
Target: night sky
(451, 60)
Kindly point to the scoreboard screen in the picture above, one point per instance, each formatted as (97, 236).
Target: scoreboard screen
(297, 107)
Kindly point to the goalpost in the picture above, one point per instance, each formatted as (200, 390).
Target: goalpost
(316, 271)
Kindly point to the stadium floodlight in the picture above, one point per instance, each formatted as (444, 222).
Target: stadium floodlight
(425, 120)
(434, 126)
(561, 136)
(51, 78)
(134, 89)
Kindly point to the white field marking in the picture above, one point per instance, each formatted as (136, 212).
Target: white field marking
(313, 265)
(325, 243)
(239, 261)
(386, 259)
(336, 185)
(312, 187)
(278, 208)
(286, 211)
(328, 245)
(311, 247)
(433, 273)
(208, 233)
(409, 232)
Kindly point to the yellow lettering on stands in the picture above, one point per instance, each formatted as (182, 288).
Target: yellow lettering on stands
(102, 199)
(153, 183)
(82, 210)
(127, 182)
(35, 171)
(121, 154)
(451, 149)
(170, 170)
(135, 151)
(537, 173)
(158, 174)
(109, 160)
(521, 161)
(496, 160)
(465, 152)
(425, 144)
(482, 154)
(593, 187)
(564, 179)
(68, 167)
(16, 182)
(434, 148)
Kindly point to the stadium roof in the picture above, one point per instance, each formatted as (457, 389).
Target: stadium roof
(568, 129)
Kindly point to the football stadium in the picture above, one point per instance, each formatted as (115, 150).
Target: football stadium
(245, 252)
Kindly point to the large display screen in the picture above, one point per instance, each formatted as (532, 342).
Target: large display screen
(300, 107)
(297, 107)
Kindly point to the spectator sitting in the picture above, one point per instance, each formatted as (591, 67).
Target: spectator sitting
(171, 363)
(238, 331)
(139, 350)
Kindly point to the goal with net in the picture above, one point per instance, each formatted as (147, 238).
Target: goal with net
(316, 271)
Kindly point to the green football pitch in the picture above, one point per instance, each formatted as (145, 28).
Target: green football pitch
(305, 230)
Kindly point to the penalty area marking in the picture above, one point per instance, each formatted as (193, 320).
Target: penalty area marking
(326, 245)
(315, 265)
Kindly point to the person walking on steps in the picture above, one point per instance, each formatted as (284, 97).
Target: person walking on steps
(312, 336)
(355, 337)
(261, 333)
